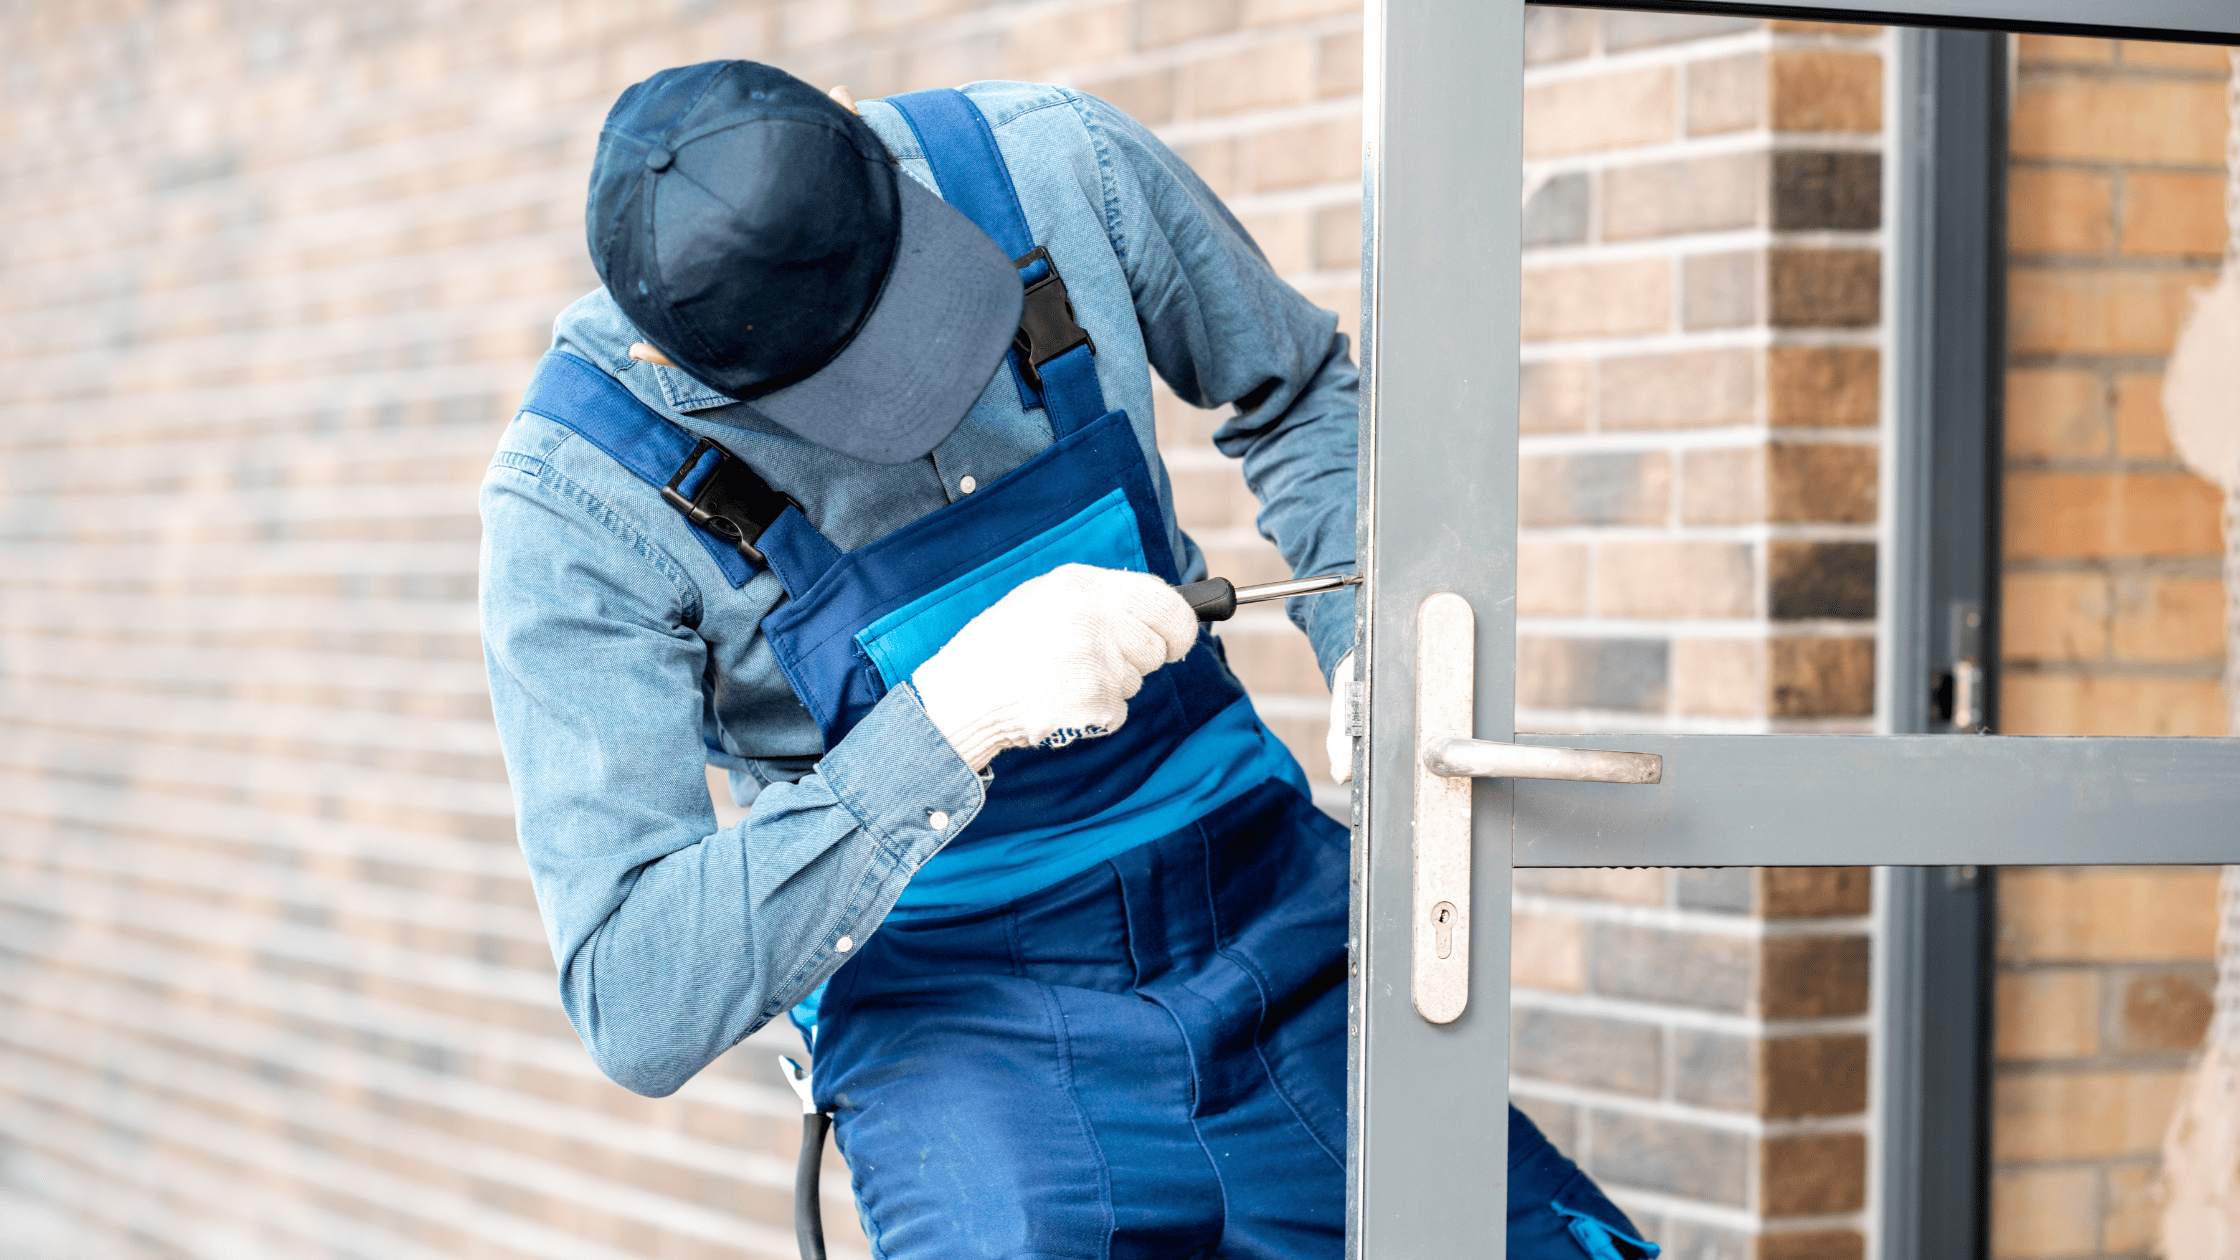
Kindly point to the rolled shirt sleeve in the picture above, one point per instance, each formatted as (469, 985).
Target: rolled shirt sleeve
(674, 937)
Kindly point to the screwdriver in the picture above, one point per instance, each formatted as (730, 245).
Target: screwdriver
(1216, 599)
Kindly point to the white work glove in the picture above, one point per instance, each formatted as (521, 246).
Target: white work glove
(1337, 743)
(1053, 661)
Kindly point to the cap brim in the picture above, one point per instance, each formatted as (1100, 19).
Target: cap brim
(946, 315)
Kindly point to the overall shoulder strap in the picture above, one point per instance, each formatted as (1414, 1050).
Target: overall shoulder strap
(729, 507)
(1053, 356)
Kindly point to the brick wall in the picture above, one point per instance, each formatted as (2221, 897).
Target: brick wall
(1702, 418)
(271, 980)
(2113, 619)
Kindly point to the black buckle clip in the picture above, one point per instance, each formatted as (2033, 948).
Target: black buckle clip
(733, 502)
(1047, 327)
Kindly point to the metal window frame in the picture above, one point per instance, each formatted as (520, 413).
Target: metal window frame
(1427, 1135)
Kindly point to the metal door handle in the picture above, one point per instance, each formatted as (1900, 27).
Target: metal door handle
(1460, 757)
(1447, 758)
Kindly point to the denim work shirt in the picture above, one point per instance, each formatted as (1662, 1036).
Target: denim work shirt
(622, 661)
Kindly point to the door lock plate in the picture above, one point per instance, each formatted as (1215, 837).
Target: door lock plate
(1446, 695)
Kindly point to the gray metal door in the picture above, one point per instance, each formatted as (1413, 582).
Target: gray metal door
(1429, 1029)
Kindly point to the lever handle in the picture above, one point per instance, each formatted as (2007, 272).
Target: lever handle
(1459, 757)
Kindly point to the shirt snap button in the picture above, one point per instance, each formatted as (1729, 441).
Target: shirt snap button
(967, 484)
(843, 945)
(938, 820)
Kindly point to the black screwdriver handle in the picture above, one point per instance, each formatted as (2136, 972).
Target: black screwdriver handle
(1214, 599)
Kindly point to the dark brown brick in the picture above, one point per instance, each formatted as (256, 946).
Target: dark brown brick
(1821, 483)
(1815, 580)
(1712, 1069)
(1812, 1174)
(1622, 674)
(1670, 1157)
(1820, 677)
(1813, 1076)
(1814, 892)
(1818, 1244)
(1729, 888)
(1680, 968)
(1720, 290)
(1614, 1054)
(1823, 387)
(1827, 191)
(1803, 977)
(1617, 488)
(2165, 1010)
(1823, 288)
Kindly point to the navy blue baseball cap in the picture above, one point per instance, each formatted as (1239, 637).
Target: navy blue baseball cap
(760, 235)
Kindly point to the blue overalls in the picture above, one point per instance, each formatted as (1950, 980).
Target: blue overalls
(1108, 1019)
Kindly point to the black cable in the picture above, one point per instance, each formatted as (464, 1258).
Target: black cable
(808, 1209)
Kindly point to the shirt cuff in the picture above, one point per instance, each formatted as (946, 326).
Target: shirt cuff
(903, 782)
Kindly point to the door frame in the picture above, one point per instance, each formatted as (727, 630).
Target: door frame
(1427, 1129)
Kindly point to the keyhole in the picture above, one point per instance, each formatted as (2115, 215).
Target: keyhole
(1442, 928)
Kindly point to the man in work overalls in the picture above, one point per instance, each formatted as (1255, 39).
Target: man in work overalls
(846, 482)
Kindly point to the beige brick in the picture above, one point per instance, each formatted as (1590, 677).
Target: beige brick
(1282, 237)
(2206, 58)
(1551, 579)
(1793, 26)
(1594, 488)
(1723, 487)
(2044, 1212)
(1277, 664)
(1614, 299)
(2142, 432)
(1719, 677)
(2167, 214)
(1552, 34)
(2054, 617)
(1721, 290)
(1545, 952)
(1074, 37)
(1824, 90)
(1148, 97)
(1317, 153)
(1277, 12)
(2054, 704)
(2055, 211)
(1706, 194)
(2060, 50)
(2119, 121)
(2045, 1014)
(2099, 311)
(1823, 387)
(1219, 162)
(2129, 514)
(1261, 77)
(1726, 94)
(1676, 579)
(1820, 678)
(1337, 237)
(2169, 619)
(2056, 413)
(2081, 1115)
(1821, 482)
(2082, 914)
(1337, 65)
(1554, 394)
(2133, 1213)
(1641, 886)
(1609, 111)
(1692, 389)
(1163, 22)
